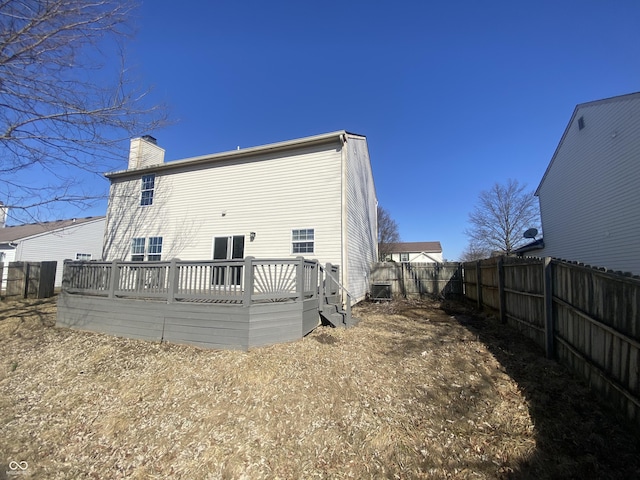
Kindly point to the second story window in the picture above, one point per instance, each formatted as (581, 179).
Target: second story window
(147, 186)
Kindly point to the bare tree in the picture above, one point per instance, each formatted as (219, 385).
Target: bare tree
(474, 251)
(66, 104)
(501, 216)
(387, 233)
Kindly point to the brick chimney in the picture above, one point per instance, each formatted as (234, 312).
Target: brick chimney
(145, 152)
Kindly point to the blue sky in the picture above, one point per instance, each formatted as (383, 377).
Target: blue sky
(452, 96)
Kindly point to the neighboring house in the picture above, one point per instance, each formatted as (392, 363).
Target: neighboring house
(312, 197)
(414, 252)
(74, 239)
(590, 193)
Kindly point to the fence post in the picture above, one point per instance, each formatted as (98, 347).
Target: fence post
(436, 280)
(479, 284)
(26, 269)
(548, 308)
(501, 294)
(173, 281)
(115, 274)
(248, 281)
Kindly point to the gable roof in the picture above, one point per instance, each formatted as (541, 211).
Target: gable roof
(240, 153)
(411, 247)
(580, 106)
(20, 232)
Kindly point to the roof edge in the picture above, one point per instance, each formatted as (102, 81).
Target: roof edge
(244, 152)
(578, 107)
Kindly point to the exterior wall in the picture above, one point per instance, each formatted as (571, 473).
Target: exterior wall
(269, 194)
(63, 244)
(589, 199)
(361, 242)
(9, 256)
(419, 257)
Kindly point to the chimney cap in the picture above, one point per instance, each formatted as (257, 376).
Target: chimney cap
(150, 139)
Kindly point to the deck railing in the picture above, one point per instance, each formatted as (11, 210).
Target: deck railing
(245, 281)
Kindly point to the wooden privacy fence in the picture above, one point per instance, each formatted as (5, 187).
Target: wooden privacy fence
(586, 318)
(31, 279)
(417, 279)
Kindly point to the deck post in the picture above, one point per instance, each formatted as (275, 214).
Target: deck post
(248, 281)
(113, 284)
(300, 278)
(314, 280)
(321, 281)
(173, 281)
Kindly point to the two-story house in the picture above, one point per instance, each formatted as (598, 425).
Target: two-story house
(312, 197)
(590, 193)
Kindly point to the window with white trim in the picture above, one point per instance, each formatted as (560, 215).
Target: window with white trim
(155, 249)
(137, 249)
(83, 257)
(302, 240)
(150, 250)
(146, 189)
(404, 257)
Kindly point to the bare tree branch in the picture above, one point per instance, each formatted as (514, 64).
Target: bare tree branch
(387, 232)
(66, 108)
(500, 218)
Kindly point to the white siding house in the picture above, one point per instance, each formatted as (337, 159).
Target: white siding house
(414, 252)
(74, 239)
(311, 197)
(590, 194)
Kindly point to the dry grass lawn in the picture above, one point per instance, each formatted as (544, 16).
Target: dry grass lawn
(414, 391)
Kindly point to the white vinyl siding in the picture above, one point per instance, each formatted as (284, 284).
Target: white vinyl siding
(361, 216)
(9, 256)
(589, 199)
(63, 245)
(268, 194)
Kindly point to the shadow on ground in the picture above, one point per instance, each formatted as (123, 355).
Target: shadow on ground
(577, 435)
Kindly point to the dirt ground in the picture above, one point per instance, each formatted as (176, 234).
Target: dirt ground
(415, 390)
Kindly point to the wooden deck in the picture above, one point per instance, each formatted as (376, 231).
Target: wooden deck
(236, 304)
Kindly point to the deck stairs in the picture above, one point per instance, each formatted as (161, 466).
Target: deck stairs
(333, 312)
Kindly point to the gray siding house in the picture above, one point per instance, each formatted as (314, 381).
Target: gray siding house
(73, 239)
(590, 193)
(312, 197)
